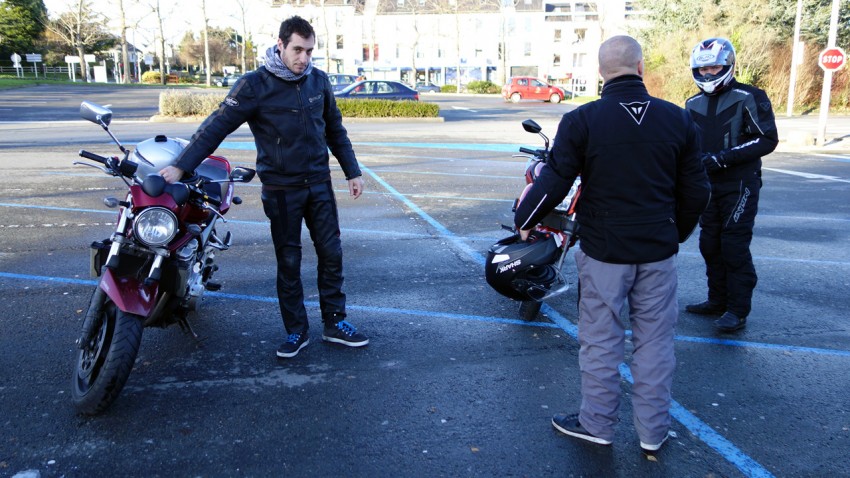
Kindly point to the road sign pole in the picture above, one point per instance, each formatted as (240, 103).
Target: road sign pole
(824, 107)
(827, 77)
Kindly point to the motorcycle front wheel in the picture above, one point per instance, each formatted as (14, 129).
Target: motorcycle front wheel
(102, 369)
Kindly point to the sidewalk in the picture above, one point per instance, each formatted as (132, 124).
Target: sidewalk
(798, 133)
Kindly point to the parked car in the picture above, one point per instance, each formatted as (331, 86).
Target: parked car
(427, 88)
(340, 81)
(529, 88)
(378, 90)
(228, 80)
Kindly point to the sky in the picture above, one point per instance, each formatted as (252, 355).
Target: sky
(179, 16)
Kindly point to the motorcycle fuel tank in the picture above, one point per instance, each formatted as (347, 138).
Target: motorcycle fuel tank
(153, 154)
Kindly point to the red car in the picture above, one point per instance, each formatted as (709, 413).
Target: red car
(530, 88)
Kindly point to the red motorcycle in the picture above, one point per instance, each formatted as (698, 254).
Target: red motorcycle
(158, 263)
(530, 271)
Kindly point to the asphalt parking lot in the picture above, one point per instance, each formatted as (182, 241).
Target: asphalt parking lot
(452, 384)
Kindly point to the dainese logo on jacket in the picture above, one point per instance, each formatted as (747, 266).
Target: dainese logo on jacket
(231, 101)
(314, 98)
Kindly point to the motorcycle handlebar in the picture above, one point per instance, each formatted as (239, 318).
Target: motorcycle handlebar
(525, 150)
(94, 157)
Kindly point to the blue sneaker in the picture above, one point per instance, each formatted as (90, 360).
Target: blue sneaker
(344, 333)
(294, 343)
(569, 425)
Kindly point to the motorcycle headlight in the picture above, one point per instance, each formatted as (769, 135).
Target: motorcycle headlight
(155, 226)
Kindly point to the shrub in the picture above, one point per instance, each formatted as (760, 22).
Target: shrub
(188, 103)
(151, 77)
(448, 89)
(357, 108)
(483, 87)
(182, 103)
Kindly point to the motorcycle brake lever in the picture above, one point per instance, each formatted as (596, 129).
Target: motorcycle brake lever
(102, 168)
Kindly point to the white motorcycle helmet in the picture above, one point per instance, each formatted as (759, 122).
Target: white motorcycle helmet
(713, 52)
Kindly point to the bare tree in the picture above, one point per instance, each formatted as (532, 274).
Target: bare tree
(158, 11)
(243, 10)
(125, 51)
(80, 28)
(206, 33)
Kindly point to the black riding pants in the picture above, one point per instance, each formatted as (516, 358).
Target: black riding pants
(726, 231)
(316, 206)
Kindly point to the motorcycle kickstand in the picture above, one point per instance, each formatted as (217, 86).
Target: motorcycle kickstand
(187, 328)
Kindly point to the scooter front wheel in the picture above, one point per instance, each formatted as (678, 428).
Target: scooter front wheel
(528, 310)
(101, 369)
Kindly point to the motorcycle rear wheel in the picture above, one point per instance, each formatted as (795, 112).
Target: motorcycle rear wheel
(101, 371)
(528, 310)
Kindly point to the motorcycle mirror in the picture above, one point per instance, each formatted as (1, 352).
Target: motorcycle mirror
(531, 126)
(154, 185)
(180, 193)
(95, 113)
(242, 175)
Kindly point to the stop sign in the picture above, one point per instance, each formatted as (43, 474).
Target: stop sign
(832, 59)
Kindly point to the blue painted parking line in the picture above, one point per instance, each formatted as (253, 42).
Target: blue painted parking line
(558, 320)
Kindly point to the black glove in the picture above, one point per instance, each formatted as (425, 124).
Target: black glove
(713, 162)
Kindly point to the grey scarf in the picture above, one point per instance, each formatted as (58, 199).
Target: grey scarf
(278, 69)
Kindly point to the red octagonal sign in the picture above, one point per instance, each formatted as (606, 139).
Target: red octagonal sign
(832, 59)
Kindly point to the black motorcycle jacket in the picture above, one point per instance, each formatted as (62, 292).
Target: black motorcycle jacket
(293, 123)
(737, 126)
(643, 185)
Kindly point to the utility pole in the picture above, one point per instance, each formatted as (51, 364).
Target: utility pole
(795, 59)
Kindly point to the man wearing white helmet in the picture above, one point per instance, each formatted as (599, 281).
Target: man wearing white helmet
(738, 129)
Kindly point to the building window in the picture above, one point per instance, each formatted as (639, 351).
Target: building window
(580, 34)
(579, 59)
(527, 49)
(339, 44)
(556, 61)
(557, 35)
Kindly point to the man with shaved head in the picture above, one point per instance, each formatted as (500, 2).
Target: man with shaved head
(643, 189)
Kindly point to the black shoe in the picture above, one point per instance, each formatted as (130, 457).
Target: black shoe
(294, 343)
(729, 322)
(653, 447)
(569, 425)
(706, 308)
(344, 333)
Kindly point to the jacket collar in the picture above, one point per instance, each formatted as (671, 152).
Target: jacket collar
(624, 84)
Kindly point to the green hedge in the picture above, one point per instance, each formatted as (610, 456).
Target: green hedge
(175, 102)
(483, 87)
(362, 108)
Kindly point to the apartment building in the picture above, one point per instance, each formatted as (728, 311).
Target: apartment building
(458, 41)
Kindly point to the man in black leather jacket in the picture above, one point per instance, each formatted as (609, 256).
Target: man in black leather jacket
(738, 128)
(643, 189)
(292, 113)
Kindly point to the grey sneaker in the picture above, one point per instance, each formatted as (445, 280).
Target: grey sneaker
(570, 425)
(344, 333)
(294, 343)
(653, 447)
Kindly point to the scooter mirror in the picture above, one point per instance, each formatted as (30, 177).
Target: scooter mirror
(531, 126)
(95, 113)
(242, 175)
